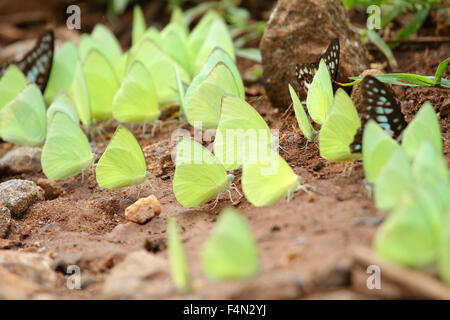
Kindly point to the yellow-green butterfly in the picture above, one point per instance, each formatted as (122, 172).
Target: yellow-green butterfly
(378, 146)
(241, 132)
(23, 121)
(136, 101)
(320, 95)
(104, 41)
(444, 253)
(102, 84)
(123, 162)
(394, 179)
(424, 125)
(202, 102)
(199, 176)
(217, 36)
(62, 103)
(267, 178)
(162, 70)
(139, 25)
(66, 151)
(230, 253)
(63, 71)
(174, 39)
(412, 233)
(179, 268)
(80, 96)
(11, 83)
(303, 122)
(339, 129)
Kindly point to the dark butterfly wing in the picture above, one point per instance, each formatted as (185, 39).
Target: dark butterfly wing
(305, 72)
(379, 104)
(37, 63)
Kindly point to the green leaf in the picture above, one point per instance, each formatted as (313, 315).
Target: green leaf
(383, 47)
(413, 25)
(440, 71)
(250, 53)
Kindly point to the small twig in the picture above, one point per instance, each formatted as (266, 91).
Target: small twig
(416, 282)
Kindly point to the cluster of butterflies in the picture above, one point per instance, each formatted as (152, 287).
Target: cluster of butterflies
(96, 82)
(342, 124)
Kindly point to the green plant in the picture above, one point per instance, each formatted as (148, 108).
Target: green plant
(391, 9)
(412, 80)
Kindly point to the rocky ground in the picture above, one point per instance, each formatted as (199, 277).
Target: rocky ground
(310, 247)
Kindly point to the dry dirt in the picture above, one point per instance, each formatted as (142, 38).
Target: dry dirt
(305, 244)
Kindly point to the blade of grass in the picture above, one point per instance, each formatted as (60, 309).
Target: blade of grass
(383, 47)
(440, 71)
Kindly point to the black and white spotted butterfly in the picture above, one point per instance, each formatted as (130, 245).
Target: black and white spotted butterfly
(37, 63)
(379, 104)
(305, 72)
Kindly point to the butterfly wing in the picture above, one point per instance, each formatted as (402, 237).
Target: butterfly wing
(136, 101)
(267, 179)
(22, 121)
(37, 63)
(179, 268)
(123, 162)
(203, 101)
(11, 83)
(305, 72)
(102, 84)
(424, 126)
(379, 104)
(241, 132)
(302, 119)
(339, 129)
(378, 146)
(198, 177)
(66, 151)
(230, 252)
(62, 104)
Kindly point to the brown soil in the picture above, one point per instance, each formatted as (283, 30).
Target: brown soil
(299, 240)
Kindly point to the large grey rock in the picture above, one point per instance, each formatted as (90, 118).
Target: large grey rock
(17, 195)
(21, 159)
(299, 32)
(5, 222)
(141, 275)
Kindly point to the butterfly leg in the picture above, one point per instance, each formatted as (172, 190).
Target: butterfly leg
(229, 193)
(233, 186)
(348, 169)
(215, 202)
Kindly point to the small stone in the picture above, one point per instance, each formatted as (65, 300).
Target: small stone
(51, 188)
(143, 210)
(18, 195)
(21, 159)
(5, 222)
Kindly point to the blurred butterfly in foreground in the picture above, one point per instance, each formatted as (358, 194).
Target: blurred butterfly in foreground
(305, 72)
(37, 63)
(379, 104)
